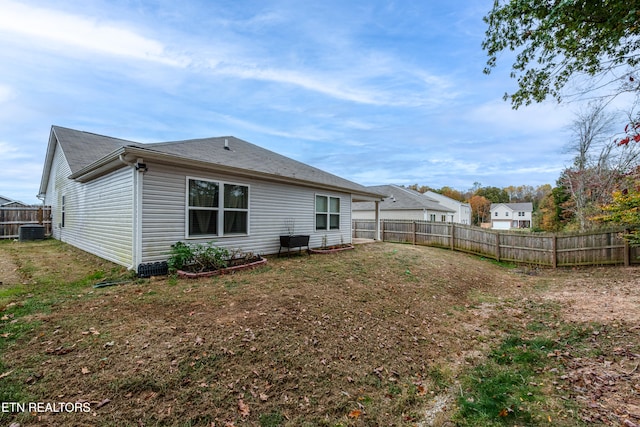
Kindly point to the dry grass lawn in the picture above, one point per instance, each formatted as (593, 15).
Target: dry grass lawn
(380, 335)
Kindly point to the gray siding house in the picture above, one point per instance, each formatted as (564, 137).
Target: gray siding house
(128, 202)
(462, 211)
(404, 204)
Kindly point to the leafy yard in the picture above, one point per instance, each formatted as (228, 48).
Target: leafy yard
(382, 335)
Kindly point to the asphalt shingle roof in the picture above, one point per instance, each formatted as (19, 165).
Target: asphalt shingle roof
(525, 206)
(83, 149)
(400, 198)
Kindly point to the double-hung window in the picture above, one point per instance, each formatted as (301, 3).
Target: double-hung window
(327, 213)
(216, 208)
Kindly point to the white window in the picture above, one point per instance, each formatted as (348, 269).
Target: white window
(63, 213)
(327, 213)
(216, 208)
(443, 218)
(506, 214)
(432, 217)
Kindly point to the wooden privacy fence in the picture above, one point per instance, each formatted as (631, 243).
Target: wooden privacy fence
(544, 249)
(11, 218)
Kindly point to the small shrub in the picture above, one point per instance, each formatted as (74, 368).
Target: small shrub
(181, 255)
(197, 257)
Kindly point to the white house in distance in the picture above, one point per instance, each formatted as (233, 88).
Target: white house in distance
(128, 202)
(505, 216)
(403, 203)
(462, 210)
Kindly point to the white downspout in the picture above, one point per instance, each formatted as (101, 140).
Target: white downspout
(136, 232)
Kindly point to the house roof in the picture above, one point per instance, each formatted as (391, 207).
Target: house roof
(442, 198)
(5, 201)
(522, 207)
(90, 155)
(400, 198)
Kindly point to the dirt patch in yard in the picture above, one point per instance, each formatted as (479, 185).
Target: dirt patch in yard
(8, 270)
(605, 295)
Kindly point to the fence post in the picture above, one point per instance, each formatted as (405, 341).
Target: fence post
(453, 234)
(627, 251)
(554, 251)
(497, 246)
(413, 232)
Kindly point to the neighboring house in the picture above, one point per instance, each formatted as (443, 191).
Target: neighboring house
(462, 210)
(511, 215)
(8, 203)
(128, 202)
(402, 203)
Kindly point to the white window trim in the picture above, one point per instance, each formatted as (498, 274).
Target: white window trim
(328, 213)
(221, 209)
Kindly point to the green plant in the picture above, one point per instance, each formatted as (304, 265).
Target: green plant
(181, 255)
(197, 257)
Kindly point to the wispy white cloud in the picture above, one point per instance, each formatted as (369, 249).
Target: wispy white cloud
(309, 134)
(83, 32)
(11, 152)
(498, 114)
(370, 77)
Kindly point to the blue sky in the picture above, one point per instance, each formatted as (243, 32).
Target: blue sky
(377, 92)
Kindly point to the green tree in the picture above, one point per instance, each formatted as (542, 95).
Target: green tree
(494, 194)
(559, 40)
(625, 210)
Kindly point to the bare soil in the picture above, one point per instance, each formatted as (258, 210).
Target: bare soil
(373, 336)
(8, 271)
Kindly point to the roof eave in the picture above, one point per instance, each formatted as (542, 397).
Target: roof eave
(51, 146)
(100, 167)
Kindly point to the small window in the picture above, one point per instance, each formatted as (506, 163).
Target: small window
(443, 218)
(506, 214)
(496, 214)
(327, 213)
(63, 211)
(432, 217)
